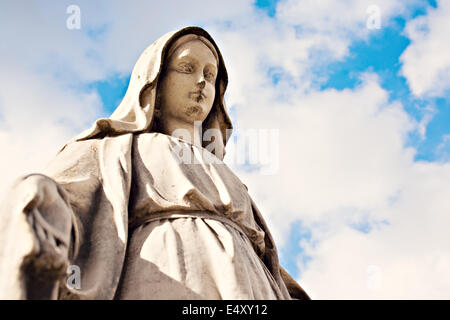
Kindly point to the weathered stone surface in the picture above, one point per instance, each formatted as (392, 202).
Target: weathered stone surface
(142, 211)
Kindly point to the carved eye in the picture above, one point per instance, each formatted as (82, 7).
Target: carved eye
(185, 67)
(209, 76)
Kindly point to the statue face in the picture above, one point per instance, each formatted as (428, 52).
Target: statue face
(187, 89)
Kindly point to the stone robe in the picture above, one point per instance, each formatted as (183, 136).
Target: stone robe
(142, 225)
(150, 228)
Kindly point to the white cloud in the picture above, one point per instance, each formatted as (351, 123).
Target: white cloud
(339, 150)
(411, 253)
(426, 62)
(443, 149)
(338, 22)
(38, 116)
(344, 162)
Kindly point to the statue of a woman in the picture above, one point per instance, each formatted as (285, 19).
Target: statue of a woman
(144, 213)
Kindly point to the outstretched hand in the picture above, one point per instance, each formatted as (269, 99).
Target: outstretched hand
(48, 212)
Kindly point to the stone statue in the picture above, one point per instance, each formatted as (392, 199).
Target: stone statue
(136, 218)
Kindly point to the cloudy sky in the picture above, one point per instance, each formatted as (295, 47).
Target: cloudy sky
(357, 91)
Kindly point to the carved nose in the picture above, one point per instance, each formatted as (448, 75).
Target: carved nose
(201, 83)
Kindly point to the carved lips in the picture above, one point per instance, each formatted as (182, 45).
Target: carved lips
(197, 95)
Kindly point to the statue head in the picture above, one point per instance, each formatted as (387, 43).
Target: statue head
(182, 74)
(186, 89)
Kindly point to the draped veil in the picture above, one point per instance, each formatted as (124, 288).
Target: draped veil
(132, 117)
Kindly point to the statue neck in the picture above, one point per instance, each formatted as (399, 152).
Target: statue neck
(190, 132)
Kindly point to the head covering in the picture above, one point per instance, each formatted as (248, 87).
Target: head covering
(191, 37)
(132, 117)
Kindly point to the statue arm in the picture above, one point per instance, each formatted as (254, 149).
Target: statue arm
(39, 229)
(36, 236)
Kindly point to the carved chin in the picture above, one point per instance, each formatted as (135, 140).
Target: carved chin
(194, 110)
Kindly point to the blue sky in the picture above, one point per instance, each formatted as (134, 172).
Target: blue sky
(380, 54)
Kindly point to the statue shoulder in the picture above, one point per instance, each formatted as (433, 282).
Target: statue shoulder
(84, 159)
(75, 159)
